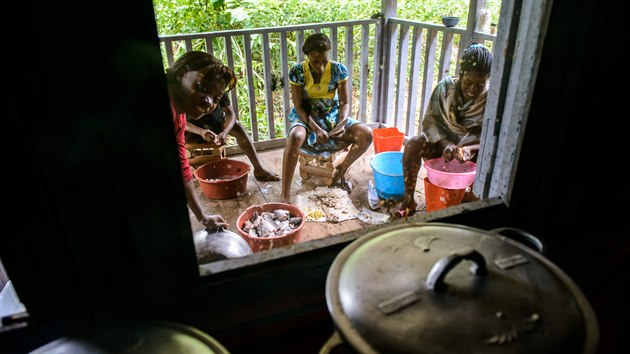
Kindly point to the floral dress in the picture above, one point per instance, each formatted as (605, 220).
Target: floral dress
(321, 101)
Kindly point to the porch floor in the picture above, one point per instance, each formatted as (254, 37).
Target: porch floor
(360, 173)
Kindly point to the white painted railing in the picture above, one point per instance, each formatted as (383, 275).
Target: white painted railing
(392, 73)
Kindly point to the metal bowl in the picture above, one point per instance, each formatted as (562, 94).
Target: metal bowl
(154, 337)
(215, 245)
(450, 21)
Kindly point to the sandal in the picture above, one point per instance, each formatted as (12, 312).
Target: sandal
(346, 185)
(403, 214)
(267, 177)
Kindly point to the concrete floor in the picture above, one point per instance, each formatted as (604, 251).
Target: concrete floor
(360, 174)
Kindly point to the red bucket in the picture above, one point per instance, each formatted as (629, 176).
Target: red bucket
(387, 139)
(439, 198)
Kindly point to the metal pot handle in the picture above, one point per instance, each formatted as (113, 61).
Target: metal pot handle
(333, 342)
(435, 279)
(523, 237)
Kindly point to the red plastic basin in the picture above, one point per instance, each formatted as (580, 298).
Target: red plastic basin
(223, 179)
(266, 243)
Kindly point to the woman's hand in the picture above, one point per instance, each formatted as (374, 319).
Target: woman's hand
(322, 136)
(462, 154)
(208, 135)
(449, 152)
(338, 132)
(465, 153)
(213, 221)
(221, 138)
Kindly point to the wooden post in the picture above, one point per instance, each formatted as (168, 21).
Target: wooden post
(471, 24)
(388, 35)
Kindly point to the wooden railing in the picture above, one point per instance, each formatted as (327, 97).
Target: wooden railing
(412, 67)
(392, 73)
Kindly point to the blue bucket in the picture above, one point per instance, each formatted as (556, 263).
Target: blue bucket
(388, 175)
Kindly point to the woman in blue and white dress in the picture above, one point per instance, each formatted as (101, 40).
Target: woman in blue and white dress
(320, 119)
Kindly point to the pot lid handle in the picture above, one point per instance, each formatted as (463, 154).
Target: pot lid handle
(435, 279)
(523, 237)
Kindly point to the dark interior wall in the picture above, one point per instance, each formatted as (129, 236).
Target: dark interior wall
(96, 120)
(568, 193)
(99, 209)
(569, 142)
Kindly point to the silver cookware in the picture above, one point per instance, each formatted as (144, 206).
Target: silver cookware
(444, 288)
(217, 244)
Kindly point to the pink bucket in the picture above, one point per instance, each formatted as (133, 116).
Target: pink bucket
(452, 174)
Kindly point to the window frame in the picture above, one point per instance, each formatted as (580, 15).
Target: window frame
(509, 97)
(505, 118)
(61, 247)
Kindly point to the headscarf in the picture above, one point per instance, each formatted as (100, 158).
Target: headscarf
(449, 116)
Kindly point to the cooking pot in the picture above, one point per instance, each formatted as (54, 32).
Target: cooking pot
(445, 288)
(151, 337)
(216, 244)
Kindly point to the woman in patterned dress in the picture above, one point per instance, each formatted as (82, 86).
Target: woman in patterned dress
(320, 119)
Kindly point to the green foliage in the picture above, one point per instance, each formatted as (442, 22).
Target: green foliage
(433, 10)
(191, 16)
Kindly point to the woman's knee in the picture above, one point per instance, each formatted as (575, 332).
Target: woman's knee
(418, 142)
(296, 138)
(361, 134)
(368, 134)
(417, 147)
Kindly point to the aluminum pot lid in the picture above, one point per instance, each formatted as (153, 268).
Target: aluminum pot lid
(444, 288)
(218, 244)
(151, 337)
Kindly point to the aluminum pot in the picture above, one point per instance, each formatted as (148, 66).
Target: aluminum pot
(151, 337)
(217, 244)
(445, 288)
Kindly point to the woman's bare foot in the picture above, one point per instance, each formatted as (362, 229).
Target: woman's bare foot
(286, 200)
(407, 208)
(266, 176)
